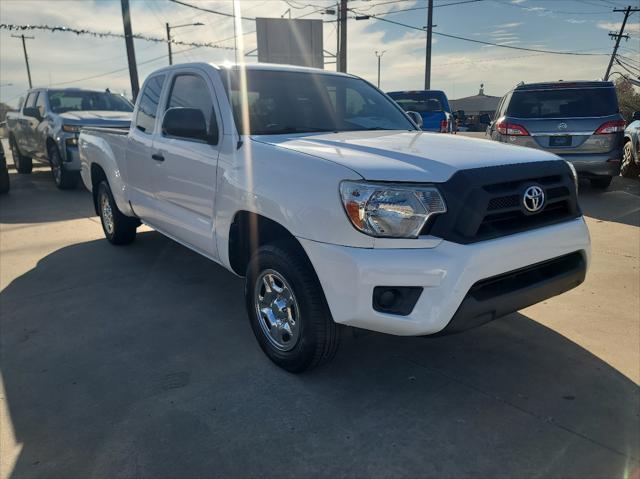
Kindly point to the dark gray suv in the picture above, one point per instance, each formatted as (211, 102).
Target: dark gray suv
(579, 121)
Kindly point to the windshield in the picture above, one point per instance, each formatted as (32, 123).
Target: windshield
(563, 103)
(299, 102)
(421, 101)
(62, 101)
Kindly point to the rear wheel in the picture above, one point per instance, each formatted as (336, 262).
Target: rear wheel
(628, 167)
(287, 309)
(4, 178)
(65, 180)
(601, 183)
(118, 228)
(23, 164)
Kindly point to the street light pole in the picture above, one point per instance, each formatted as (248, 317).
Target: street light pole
(379, 55)
(169, 27)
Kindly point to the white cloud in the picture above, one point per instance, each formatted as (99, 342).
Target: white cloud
(575, 21)
(518, 1)
(615, 26)
(509, 25)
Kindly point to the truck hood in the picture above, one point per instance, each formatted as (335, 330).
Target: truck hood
(87, 118)
(406, 156)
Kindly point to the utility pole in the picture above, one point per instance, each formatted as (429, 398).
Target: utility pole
(169, 43)
(26, 57)
(342, 23)
(427, 66)
(379, 55)
(131, 53)
(338, 37)
(627, 11)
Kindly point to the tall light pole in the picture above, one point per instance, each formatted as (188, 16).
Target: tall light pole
(26, 57)
(169, 27)
(379, 55)
(427, 66)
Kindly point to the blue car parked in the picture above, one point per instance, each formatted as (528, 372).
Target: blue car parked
(432, 105)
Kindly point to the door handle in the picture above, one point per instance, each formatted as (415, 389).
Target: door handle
(157, 157)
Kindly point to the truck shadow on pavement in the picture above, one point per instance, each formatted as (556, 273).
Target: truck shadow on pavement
(139, 361)
(33, 198)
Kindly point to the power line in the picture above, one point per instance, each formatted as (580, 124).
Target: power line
(54, 29)
(208, 10)
(482, 42)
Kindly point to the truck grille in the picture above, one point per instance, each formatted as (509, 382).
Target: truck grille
(486, 203)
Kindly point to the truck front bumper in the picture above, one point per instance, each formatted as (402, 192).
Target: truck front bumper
(462, 285)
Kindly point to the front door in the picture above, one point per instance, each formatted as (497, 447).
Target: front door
(186, 173)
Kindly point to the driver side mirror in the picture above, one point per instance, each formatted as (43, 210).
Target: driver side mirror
(416, 118)
(32, 112)
(636, 116)
(187, 124)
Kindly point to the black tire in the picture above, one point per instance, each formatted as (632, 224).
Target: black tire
(628, 167)
(317, 334)
(118, 228)
(65, 180)
(23, 164)
(601, 183)
(4, 178)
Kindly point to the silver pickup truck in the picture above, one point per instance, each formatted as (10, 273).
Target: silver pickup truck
(48, 122)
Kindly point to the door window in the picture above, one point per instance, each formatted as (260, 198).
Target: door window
(191, 91)
(148, 105)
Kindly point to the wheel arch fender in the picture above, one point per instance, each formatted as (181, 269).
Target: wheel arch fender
(98, 162)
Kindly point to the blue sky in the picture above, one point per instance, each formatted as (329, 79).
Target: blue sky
(458, 67)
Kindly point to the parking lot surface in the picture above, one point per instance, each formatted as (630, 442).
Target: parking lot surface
(139, 361)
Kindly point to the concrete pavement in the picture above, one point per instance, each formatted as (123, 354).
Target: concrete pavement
(139, 362)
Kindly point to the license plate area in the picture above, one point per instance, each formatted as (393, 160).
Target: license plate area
(562, 140)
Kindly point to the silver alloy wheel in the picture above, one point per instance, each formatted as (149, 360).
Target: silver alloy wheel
(277, 310)
(106, 213)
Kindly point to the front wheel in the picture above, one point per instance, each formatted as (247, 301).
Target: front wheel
(65, 180)
(118, 228)
(287, 308)
(628, 167)
(601, 183)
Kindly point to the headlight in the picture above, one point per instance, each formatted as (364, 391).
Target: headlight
(388, 210)
(574, 173)
(71, 128)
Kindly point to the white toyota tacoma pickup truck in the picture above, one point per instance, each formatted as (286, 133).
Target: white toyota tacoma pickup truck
(336, 209)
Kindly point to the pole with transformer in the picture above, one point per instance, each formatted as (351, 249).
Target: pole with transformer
(427, 66)
(618, 36)
(26, 57)
(131, 53)
(342, 23)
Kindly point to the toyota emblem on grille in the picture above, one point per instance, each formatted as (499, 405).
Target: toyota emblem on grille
(562, 126)
(533, 199)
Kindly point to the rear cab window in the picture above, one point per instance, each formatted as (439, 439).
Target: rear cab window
(563, 103)
(148, 104)
(30, 102)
